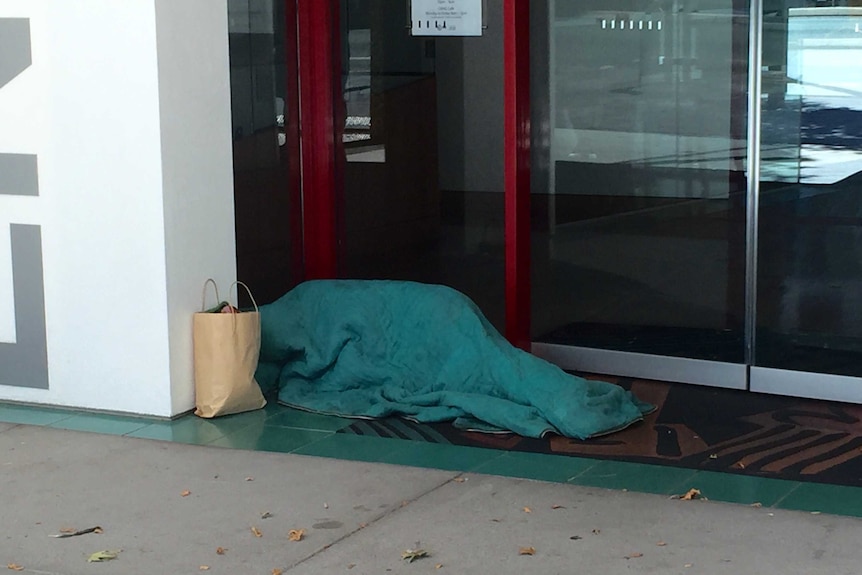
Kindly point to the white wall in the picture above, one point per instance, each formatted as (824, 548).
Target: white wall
(197, 167)
(127, 106)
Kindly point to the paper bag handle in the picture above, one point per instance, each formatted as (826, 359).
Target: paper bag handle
(230, 291)
(248, 291)
(204, 294)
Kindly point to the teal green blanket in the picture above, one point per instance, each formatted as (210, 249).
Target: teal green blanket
(372, 349)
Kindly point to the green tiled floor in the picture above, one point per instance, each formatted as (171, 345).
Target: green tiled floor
(818, 497)
(31, 415)
(266, 438)
(636, 477)
(98, 423)
(537, 466)
(743, 489)
(282, 429)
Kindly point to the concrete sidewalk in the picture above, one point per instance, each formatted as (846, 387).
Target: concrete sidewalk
(169, 507)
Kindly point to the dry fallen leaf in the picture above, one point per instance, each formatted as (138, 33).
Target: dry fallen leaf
(527, 510)
(351, 566)
(220, 550)
(438, 566)
(14, 567)
(689, 495)
(412, 555)
(757, 504)
(185, 493)
(68, 532)
(634, 555)
(661, 544)
(295, 534)
(100, 556)
(204, 568)
(527, 551)
(277, 571)
(256, 532)
(557, 507)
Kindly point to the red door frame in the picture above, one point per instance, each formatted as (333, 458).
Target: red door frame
(319, 69)
(319, 85)
(516, 146)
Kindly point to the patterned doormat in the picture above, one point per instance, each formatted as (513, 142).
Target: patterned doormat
(695, 427)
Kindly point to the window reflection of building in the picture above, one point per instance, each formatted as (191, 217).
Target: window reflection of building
(259, 107)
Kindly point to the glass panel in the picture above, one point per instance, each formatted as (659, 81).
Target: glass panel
(423, 141)
(638, 206)
(809, 299)
(259, 105)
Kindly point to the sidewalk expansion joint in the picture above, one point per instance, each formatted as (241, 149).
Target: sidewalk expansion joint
(404, 504)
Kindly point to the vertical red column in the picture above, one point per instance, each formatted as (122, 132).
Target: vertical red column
(318, 61)
(516, 16)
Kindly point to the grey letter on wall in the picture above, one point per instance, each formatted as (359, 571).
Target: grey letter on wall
(17, 171)
(24, 363)
(14, 48)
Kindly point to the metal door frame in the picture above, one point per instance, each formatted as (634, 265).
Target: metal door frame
(745, 376)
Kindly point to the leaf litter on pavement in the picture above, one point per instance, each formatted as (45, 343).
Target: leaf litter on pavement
(100, 556)
(690, 495)
(296, 534)
(72, 532)
(411, 555)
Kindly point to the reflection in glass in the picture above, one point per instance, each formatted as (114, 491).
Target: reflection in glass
(259, 97)
(423, 142)
(810, 246)
(639, 226)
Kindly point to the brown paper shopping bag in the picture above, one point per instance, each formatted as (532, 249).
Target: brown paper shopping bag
(226, 350)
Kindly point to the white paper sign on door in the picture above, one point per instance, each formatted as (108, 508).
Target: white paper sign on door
(446, 17)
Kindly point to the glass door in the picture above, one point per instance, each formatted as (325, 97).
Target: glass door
(265, 121)
(809, 272)
(640, 153)
(420, 126)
